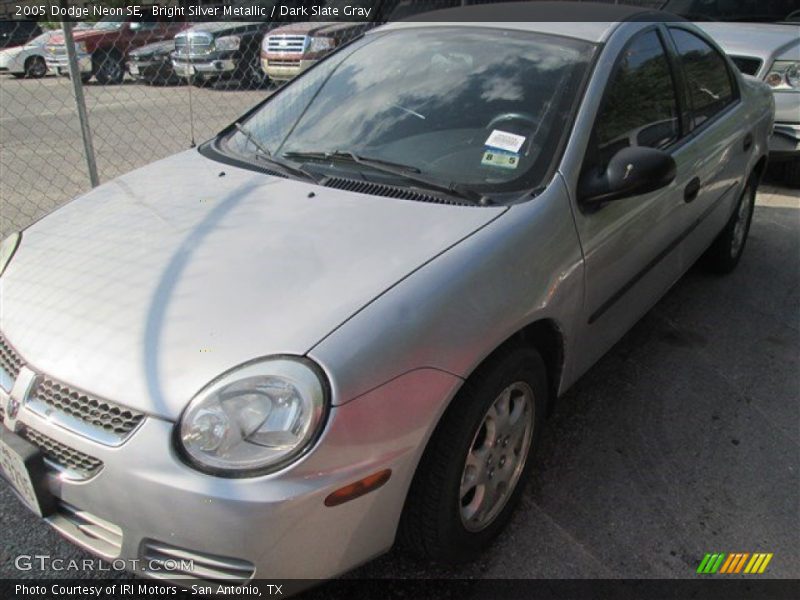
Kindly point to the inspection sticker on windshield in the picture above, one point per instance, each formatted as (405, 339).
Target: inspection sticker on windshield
(498, 158)
(502, 140)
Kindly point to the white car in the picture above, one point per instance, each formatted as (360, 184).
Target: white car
(27, 60)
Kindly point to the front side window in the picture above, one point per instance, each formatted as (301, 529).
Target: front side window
(477, 107)
(640, 107)
(707, 76)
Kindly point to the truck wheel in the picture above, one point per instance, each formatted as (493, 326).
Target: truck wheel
(725, 251)
(108, 67)
(474, 469)
(35, 67)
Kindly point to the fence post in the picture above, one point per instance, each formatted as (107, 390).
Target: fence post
(80, 103)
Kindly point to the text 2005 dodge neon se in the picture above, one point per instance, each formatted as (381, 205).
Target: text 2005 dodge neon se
(339, 323)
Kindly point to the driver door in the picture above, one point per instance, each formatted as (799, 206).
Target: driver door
(630, 245)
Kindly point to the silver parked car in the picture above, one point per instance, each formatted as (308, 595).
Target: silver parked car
(339, 323)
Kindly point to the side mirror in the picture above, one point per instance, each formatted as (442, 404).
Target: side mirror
(631, 172)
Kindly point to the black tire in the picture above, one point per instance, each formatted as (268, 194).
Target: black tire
(791, 173)
(432, 526)
(726, 250)
(35, 67)
(108, 68)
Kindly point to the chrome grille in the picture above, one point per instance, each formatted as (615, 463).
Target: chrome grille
(100, 418)
(10, 361)
(746, 64)
(74, 464)
(286, 43)
(194, 43)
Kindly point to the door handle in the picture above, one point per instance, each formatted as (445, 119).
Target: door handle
(691, 190)
(748, 142)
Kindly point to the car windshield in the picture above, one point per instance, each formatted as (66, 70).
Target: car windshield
(759, 11)
(480, 107)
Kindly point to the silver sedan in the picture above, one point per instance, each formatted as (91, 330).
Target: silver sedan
(339, 324)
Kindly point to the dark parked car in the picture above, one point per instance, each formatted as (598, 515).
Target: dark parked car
(16, 33)
(152, 63)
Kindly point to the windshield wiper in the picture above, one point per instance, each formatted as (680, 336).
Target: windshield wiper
(407, 172)
(265, 155)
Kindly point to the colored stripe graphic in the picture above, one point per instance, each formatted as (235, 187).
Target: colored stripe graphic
(711, 562)
(727, 564)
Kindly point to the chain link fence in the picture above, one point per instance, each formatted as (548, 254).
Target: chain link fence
(138, 91)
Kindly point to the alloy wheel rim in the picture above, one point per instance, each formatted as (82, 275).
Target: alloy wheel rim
(740, 226)
(496, 457)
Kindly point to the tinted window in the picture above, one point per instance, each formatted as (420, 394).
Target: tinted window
(707, 76)
(640, 107)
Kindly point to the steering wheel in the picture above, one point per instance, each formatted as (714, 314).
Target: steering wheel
(513, 116)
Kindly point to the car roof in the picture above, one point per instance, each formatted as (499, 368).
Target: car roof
(589, 21)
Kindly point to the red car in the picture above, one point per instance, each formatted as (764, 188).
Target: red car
(103, 49)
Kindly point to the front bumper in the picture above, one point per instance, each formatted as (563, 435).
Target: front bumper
(150, 68)
(284, 70)
(145, 502)
(206, 66)
(60, 64)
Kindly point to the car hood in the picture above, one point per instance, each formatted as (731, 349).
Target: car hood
(164, 47)
(761, 40)
(313, 27)
(151, 285)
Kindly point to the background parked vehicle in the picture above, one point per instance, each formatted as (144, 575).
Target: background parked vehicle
(224, 50)
(291, 49)
(27, 60)
(153, 64)
(16, 33)
(103, 49)
(763, 43)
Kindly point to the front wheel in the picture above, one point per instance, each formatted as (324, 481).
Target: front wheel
(108, 68)
(35, 67)
(475, 467)
(726, 250)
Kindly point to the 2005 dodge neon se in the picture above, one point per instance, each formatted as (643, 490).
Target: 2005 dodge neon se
(338, 324)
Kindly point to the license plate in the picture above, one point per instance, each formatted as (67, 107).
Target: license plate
(22, 465)
(134, 69)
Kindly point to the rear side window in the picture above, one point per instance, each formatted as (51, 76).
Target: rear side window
(640, 107)
(707, 76)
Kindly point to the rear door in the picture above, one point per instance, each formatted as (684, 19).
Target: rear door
(721, 142)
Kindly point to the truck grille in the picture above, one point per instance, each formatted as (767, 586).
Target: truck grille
(74, 464)
(10, 361)
(194, 43)
(746, 64)
(287, 44)
(99, 416)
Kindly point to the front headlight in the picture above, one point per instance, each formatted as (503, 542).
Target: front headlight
(321, 44)
(7, 249)
(229, 42)
(255, 419)
(784, 75)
